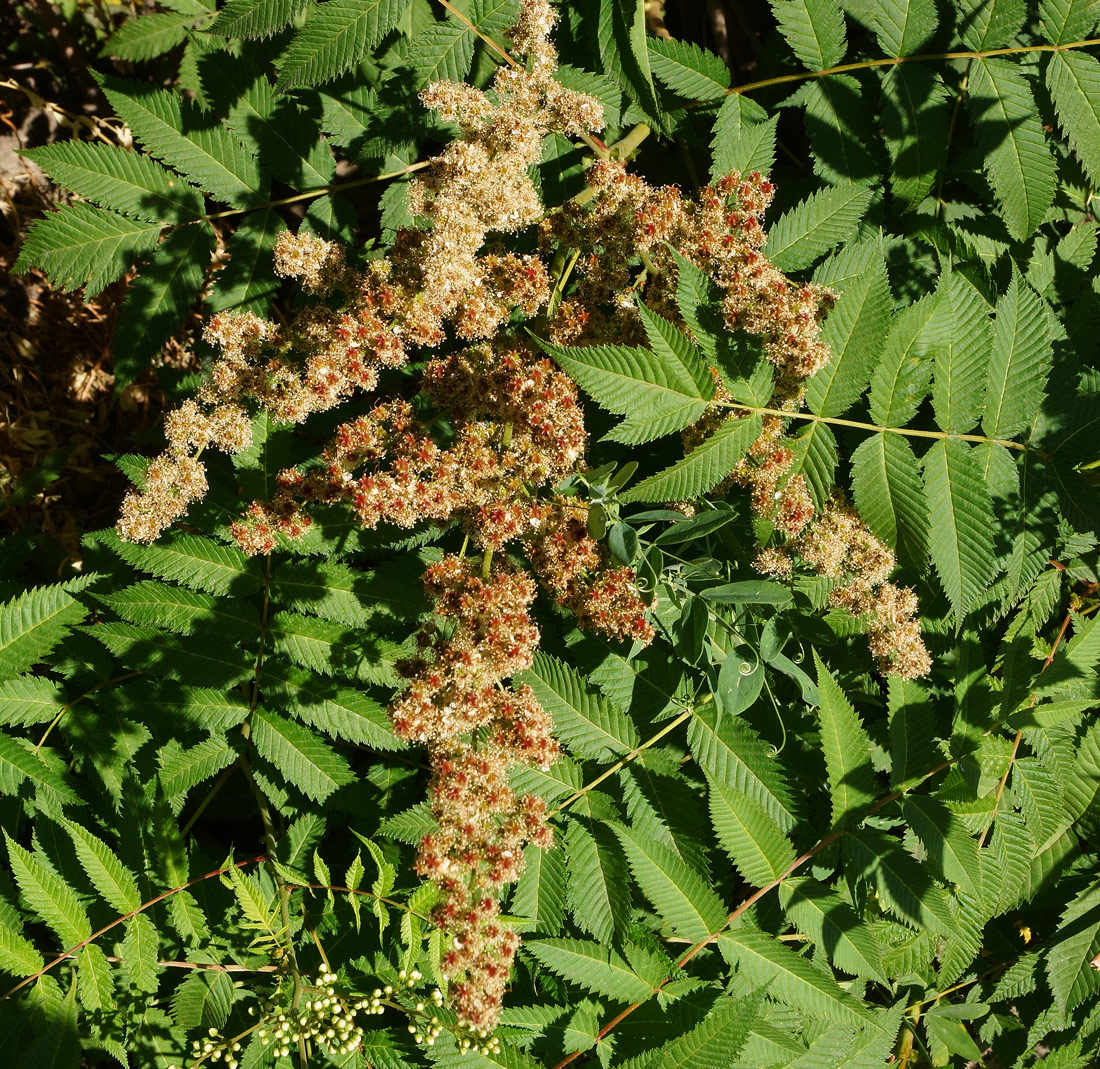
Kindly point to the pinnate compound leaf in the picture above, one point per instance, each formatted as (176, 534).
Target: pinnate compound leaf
(822, 221)
(48, 895)
(120, 181)
(791, 978)
(687, 69)
(590, 725)
(903, 26)
(592, 966)
(1019, 362)
(336, 36)
(703, 468)
(960, 522)
(682, 898)
(814, 29)
(1009, 132)
(82, 245)
(308, 763)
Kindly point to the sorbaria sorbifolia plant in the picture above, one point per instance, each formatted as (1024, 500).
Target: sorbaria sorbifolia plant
(654, 574)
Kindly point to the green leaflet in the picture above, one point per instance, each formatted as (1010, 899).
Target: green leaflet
(915, 121)
(679, 895)
(821, 222)
(597, 883)
(791, 978)
(744, 139)
(1007, 128)
(1067, 20)
(712, 1043)
(949, 847)
(307, 762)
(847, 751)
(729, 751)
(855, 329)
(19, 763)
(900, 381)
(177, 133)
(80, 245)
(334, 37)
(107, 873)
(621, 35)
(159, 299)
(832, 923)
(585, 721)
(191, 659)
(184, 611)
(753, 840)
(540, 891)
(887, 490)
(814, 29)
(989, 23)
(1075, 943)
(333, 649)
(902, 884)
(688, 69)
(49, 896)
(960, 522)
(255, 18)
(903, 26)
(962, 340)
(591, 966)
(33, 623)
(1019, 362)
(120, 181)
(664, 390)
(1074, 82)
(703, 468)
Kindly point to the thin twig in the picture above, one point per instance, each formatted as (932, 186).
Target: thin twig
(125, 917)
